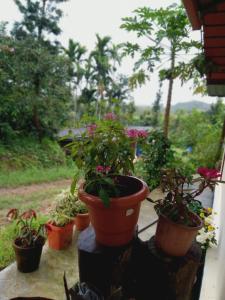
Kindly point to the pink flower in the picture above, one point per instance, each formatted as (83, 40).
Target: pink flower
(135, 133)
(110, 116)
(132, 133)
(142, 133)
(208, 173)
(91, 129)
(100, 169)
(107, 169)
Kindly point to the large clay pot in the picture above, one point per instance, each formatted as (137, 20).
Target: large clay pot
(28, 259)
(59, 238)
(115, 225)
(175, 239)
(82, 221)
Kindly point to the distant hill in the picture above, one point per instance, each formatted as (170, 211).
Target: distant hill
(188, 106)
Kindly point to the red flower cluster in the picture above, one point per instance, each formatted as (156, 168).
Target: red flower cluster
(101, 169)
(135, 133)
(208, 173)
(13, 214)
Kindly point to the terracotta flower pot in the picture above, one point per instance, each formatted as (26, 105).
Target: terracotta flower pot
(115, 225)
(28, 259)
(82, 221)
(175, 239)
(60, 237)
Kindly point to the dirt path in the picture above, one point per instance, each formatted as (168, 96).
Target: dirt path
(29, 189)
(48, 191)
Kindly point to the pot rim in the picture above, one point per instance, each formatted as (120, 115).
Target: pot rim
(183, 225)
(82, 215)
(58, 228)
(30, 248)
(116, 201)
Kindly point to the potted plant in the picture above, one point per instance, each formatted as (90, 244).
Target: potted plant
(82, 219)
(178, 223)
(29, 241)
(61, 222)
(105, 154)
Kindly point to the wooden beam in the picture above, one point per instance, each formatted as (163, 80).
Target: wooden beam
(193, 13)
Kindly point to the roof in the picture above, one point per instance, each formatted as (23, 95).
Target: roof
(209, 15)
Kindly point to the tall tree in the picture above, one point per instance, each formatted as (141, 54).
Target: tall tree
(40, 22)
(40, 18)
(75, 53)
(167, 31)
(103, 59)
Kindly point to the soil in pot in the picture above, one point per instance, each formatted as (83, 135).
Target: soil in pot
(115, 225)
(28, 259)
(59, 238)
(82, 221)
(176, 239)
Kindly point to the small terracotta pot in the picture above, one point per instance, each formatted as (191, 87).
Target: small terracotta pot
(115, 225)
(175, 239)
(82, 221)
(28, 259)
(59, 237)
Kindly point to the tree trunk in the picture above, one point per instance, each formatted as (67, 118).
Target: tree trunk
(40, 27)
(220, 147)
(169, 97)
(36, 122)
(36, 119)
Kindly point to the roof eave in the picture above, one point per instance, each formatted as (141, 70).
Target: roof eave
(192, 12)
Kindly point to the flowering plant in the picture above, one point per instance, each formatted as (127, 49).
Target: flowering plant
(181, 191)
(207, 235)
(29, 233)
(104, 151)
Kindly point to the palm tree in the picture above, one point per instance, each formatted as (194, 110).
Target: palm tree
(104, 59)
(75, 53)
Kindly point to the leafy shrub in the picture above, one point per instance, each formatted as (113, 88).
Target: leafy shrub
(27, 153)
(157, 154)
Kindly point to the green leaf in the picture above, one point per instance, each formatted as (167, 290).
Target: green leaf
(104, 197)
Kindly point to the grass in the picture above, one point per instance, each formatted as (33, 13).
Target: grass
(35, 175)
(7, 235)
(34, 200)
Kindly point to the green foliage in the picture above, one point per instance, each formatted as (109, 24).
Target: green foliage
(166, 31)
(27, 153)
(39, 17)
(181, 192)
(157, 154)
(66, 208)
(104, 150)
(7, 235)
(7, 254)
(28, 234)
(31, 84)
(203, 137)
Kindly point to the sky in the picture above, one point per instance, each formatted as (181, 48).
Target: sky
(84, 18)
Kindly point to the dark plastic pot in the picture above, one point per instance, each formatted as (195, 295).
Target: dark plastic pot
(28, 259)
